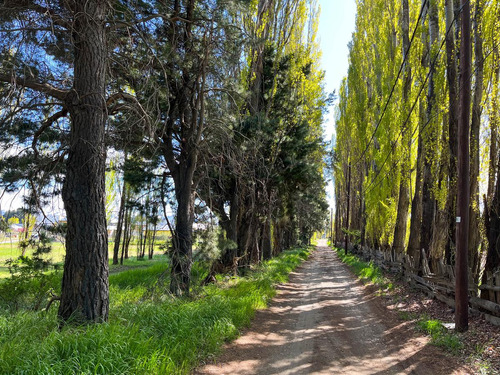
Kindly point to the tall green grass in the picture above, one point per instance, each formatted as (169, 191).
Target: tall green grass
(148, 332)
(366, 271)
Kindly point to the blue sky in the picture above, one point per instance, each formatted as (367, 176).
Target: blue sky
(336, 25)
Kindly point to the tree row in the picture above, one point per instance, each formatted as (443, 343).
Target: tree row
(395, 160)
(211, 105)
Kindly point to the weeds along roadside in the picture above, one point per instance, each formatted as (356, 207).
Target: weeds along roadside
(148, 332)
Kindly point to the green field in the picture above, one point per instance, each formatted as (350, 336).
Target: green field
(10, 250)
(149, 331)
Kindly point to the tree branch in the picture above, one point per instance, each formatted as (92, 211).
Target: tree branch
(23, 6)
(45, 125)
(37, 86)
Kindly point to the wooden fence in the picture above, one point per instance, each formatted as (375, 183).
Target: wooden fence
(440, 284)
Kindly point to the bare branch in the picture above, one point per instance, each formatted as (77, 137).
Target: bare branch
(117, 24)
(24, 6)
(46, 124)
(52, 299)
(37, 86)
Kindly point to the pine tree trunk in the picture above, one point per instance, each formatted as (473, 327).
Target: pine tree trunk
(126, 233)
(183, 239)
(119, 225)
(85, 288)
(152, 242)
(141, 240)
(230, 225)
(266, 240)
(129, 233)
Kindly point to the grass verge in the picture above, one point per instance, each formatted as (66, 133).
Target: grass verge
(366, 271)
(148, 331)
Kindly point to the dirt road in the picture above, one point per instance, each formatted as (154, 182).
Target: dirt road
(326, 322)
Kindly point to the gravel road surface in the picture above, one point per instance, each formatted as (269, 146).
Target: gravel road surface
(324, 321)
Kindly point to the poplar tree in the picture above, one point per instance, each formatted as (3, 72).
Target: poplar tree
(422, 156)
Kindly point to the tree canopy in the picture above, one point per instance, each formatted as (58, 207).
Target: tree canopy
(196, 103)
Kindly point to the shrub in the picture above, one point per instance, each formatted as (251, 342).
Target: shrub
(31, 280)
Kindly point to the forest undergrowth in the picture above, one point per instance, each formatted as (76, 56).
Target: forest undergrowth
(149, 331)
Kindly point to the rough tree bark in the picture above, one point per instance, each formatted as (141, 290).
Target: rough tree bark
(183, 237)
(181, 133)
(85, 289)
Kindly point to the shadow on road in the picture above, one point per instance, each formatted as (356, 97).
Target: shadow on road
(325, 322)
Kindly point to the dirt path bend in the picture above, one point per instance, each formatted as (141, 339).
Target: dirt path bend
(325, 322)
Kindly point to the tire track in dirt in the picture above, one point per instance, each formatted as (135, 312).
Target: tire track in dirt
(324, 321)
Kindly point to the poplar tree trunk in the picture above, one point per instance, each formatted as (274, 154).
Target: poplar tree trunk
(404, 191)
(416, 204)
(414, 242)
(492, 211)
(338, 214)
(493, 234)
(494, 115)
(429, 137)
(85, 288)
(474, 214)
(451, 76)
